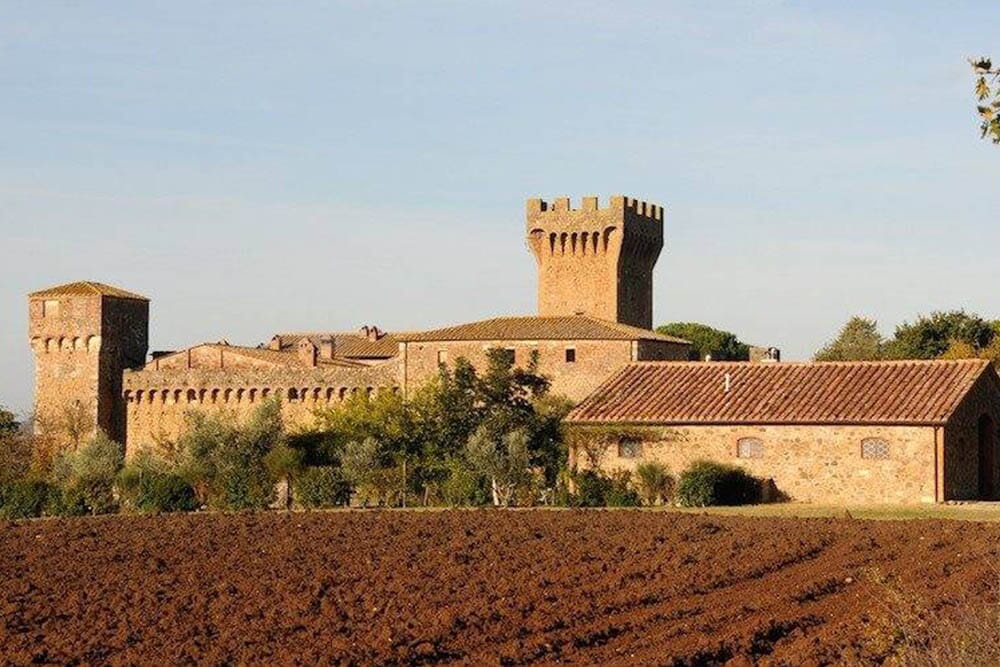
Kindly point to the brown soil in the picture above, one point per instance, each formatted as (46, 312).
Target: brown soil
(477, 587)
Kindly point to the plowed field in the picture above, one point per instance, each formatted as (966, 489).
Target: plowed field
(478, 587)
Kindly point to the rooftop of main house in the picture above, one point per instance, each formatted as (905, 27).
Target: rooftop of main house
(86, 288)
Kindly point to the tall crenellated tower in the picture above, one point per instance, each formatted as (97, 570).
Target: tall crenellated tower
(84, 335)
(597, 261)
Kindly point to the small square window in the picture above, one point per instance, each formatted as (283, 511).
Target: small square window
(50, 308)
(629, 449)
(442, 357)
(750, 448)
(570, 355)
(510, 355)
(874, 448)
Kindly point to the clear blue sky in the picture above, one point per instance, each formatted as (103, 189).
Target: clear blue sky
(263, 166)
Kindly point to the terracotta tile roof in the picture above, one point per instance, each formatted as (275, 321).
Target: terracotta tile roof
(278, 358)
(570, 327)
(888, 392)
(87, 288)
(347, 345)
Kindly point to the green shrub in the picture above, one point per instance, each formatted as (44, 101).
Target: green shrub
(655, 483)
(86, 477)
(24, 498)
(707, 483)
(591, 488)
(595, 489)
(320, 487)
(620, 492)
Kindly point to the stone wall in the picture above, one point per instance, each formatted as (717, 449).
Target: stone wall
(818, 464)
(961, 442)
(157, 401)
(594, 361)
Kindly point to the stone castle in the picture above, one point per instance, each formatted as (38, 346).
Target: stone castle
(595, 302)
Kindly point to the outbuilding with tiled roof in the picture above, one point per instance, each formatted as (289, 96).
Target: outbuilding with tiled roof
(845, 432)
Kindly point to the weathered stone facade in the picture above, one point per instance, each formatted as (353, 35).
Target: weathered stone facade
(839, 433)
(84, 335)
(598, 283)
(817, 464)
(596, 260)
(225, 378)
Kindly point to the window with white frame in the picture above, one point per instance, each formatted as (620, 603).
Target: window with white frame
(750, 448)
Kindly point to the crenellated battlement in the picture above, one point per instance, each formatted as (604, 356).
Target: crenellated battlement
(635, 207)
(596, 260)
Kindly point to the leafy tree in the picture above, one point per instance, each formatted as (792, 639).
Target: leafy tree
(960, 349)
(360, 463)
(321, 487)
(8, 422)
(422, 442)
(283, 464)
(225, 463)
(196, 453)
(988, 95)
(86, 476)
(858, 340)
(503, 458)
(930, 336)
(16, 448)
(706, 340)
(242, 480)
(148, 483)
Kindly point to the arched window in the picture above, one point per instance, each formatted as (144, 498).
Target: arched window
(293, 394)
(192, 396)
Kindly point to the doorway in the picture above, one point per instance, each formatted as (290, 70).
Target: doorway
(987, 457)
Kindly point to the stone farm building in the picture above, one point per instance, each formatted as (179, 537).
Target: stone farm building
(851, 432)
(595, 296)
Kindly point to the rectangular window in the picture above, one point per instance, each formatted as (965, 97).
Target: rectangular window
(750, 448)
(510, 354)
(570, 355)
(442, 357)
(629, 449)
(874, 448)
(50, 308)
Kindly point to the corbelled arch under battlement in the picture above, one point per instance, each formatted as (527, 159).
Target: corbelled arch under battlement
(596, 260)
(158, 401)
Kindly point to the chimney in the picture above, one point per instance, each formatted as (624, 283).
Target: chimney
(326, 347)
(307, 352)
(371, 332)
(275, 343)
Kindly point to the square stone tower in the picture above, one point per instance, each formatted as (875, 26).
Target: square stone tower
(84, 335)
(596, 261)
